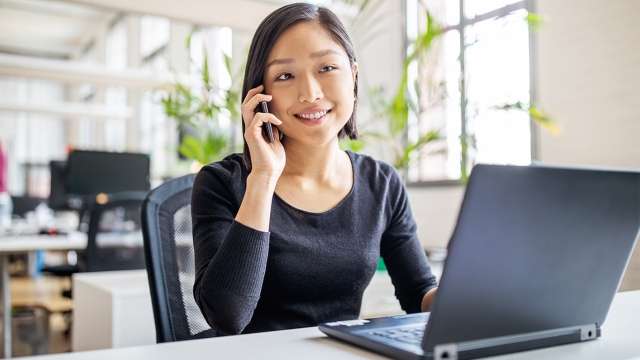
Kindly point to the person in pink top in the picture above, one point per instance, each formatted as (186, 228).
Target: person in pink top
(5, 199)
(3, 170)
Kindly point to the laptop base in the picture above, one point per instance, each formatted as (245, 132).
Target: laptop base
(373, 334)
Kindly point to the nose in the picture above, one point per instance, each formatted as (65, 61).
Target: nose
(309, 89)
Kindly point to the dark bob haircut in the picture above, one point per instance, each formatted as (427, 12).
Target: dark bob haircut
(265, 38)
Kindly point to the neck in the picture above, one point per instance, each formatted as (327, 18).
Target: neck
(321, 163)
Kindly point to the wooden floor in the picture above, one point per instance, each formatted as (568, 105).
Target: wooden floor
(42, 291)
(40, 315)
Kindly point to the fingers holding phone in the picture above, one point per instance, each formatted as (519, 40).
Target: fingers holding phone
(256, 103)
(251, 102)
(267, 152)
(267, 130)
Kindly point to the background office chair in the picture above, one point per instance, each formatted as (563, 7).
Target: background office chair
(114, 238)
(168, 245)
(23, 204)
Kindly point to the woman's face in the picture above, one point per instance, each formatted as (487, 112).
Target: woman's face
(312, 82)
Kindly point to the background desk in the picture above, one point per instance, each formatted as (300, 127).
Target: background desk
(16, 244)
(620, 341)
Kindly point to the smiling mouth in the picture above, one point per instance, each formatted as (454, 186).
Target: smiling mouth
(313, 116)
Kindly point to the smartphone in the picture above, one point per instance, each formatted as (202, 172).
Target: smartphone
(267, 130)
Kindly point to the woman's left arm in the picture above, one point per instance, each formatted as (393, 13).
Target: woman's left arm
(403, 253)
(427, 299)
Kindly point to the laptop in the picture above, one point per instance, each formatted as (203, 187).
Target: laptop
(535, 260)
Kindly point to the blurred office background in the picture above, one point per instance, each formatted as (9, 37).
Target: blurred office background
(82, 85)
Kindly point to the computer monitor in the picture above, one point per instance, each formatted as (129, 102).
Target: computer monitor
(93, 172)
(58, 199)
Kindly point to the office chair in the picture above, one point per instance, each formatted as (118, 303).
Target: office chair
(168, 245)
(20, 207)
(114, 238)
(23, 204)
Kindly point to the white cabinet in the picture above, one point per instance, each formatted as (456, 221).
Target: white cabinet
(111, 309)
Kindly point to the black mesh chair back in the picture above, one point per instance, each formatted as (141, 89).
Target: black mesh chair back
(21, 205)
(114, 236)
(168, 244)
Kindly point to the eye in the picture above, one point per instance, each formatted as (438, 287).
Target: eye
(328, 68)
(284, 76)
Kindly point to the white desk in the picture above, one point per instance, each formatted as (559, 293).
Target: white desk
(26, 243)
(620, 340)
(131, 239)
(12, 244)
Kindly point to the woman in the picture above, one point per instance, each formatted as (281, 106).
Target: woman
(288, 234)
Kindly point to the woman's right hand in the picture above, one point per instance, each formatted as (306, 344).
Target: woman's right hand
(267, 159)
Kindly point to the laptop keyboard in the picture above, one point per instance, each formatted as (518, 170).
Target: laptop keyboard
(409, 335)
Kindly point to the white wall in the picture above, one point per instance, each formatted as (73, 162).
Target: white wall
(436, 211)
(589, 71)
(588, 77)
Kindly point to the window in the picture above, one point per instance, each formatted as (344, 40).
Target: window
(479, 63)
(154, 34)
(153, 126)
(217, 43)
(110, 134)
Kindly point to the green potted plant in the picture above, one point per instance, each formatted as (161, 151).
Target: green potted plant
(198, 110)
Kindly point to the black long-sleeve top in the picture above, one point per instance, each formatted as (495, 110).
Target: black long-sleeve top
(310, 267)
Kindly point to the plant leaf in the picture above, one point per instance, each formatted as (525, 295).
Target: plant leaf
(430, 136)
(206, 78)
(544, 120)
(536, 114)
(354, 145)
(213, 146)
(227, 63)
(534, 20)
(192, 148)
(187, 40)
(398, 110)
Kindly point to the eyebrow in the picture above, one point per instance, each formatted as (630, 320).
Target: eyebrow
(315, 54)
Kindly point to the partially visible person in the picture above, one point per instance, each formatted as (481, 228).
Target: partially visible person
(5, 199)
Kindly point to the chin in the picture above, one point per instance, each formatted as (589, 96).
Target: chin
(315, 140)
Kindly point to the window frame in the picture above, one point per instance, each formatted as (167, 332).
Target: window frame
(464, 22)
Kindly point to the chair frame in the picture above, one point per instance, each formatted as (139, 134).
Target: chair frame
(158, 210)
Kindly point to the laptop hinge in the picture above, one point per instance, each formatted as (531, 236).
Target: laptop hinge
(532, 340)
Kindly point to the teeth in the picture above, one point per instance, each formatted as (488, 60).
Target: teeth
(315, 115)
